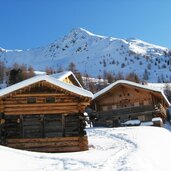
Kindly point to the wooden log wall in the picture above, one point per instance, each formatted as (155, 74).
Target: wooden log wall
(122, 97)
(1, 106)
(31, 126)
(1, 128)
(112, 119)
(12, 127)
(48, 133)
(43, 126)
(60, 144)
(17, 105)
(53, 126)
(74, 126)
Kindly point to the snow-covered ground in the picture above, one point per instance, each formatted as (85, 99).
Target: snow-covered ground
(140, 148)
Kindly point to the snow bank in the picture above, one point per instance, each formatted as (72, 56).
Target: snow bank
(132, 122)
(140, 148)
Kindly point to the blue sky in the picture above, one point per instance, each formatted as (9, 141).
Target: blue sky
(33, 23)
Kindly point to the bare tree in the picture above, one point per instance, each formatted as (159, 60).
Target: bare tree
(72, 67)
(2, 71)
(31, 72)
(133, 77)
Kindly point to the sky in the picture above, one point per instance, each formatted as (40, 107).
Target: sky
(28, 24)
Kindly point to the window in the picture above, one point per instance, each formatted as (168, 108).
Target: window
(114, 107)
(50, 99)
(146, 102)
(136, 103)
(31, 100)
(104, 108)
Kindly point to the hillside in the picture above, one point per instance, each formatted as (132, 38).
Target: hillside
(94, 54)
(128, 148)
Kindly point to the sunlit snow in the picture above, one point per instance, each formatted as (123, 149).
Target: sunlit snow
(142, 148)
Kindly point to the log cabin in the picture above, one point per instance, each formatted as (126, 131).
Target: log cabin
(125, 100)
(44, 114)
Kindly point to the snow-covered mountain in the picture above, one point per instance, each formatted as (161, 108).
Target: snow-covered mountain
(94, 54)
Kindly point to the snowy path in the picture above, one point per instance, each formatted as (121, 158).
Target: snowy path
(121, 147)
(110, 149)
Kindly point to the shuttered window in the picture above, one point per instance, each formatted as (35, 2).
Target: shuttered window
(50, 99)
(31, 100)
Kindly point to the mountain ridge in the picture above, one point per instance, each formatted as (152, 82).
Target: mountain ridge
(94, 54)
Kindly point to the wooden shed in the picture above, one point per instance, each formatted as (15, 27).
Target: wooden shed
(125, 100)
(43, 114)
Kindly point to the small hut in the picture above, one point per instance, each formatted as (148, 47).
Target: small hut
(43, 114)
(125, 100)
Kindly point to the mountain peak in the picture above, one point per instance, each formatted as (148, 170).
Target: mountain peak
(83, 32)
(80, 30)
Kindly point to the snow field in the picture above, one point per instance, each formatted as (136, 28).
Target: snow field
(119, 149)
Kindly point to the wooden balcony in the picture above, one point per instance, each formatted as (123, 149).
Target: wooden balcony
(155, 110)
(160, 111)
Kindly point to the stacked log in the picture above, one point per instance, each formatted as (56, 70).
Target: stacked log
(48, 133)
(72, 125)
(60, 144)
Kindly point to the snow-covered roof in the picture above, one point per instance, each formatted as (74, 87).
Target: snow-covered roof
(62, 75)
(39, 72)
(52, 80)
(159, 86)
(157, 119)
(108, 88)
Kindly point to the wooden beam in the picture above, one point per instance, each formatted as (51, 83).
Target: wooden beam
(45, 144)
(63, 125)
(42, 112)
(60, 144)
(45, 105)
(41, 108)
(21, 126)
(58, 139)
(39, 95)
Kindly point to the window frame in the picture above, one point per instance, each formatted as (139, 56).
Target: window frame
(31, 100)
(50, 99)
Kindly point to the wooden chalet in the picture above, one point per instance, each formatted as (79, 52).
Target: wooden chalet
(43, 114)
(67, 77)
(125, 100)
